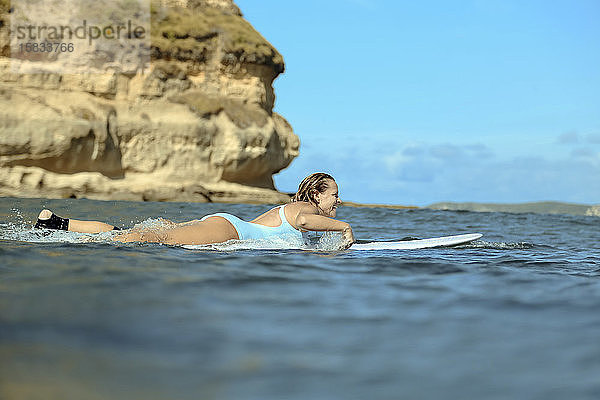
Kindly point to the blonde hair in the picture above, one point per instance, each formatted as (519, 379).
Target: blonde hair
(310, 184)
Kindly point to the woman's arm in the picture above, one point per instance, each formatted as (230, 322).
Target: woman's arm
(312, 222)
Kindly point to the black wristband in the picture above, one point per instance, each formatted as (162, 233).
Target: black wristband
(54, 222)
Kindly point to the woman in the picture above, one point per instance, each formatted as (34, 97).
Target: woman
(313, 208)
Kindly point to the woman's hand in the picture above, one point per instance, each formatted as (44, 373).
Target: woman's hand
(347, 238)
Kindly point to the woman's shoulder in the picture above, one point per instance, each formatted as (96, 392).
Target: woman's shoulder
(302, 207)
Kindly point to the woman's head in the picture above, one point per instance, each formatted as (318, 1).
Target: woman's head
(320, 190)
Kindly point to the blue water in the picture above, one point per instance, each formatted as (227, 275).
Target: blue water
(515, 315)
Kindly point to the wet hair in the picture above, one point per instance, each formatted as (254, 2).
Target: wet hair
(306, 189)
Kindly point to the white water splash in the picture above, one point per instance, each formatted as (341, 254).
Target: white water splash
(26, 233)
(482, 244)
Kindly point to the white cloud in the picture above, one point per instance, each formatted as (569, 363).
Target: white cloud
(446, 152)
(584, 152)
(568, 138)
(421, 174)
(593, 138)
(395, 160)
(576, 138)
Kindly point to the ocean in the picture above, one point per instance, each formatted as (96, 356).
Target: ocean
(514, 315)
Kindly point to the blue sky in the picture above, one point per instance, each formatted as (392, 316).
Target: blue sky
(408, 102)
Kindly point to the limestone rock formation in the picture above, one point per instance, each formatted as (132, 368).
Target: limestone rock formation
(593, 211)
(198, 126)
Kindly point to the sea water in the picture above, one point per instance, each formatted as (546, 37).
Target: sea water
(515, 315)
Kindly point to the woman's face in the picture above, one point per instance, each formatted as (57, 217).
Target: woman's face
(328, 200)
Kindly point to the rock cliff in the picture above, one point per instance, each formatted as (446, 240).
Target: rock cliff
(593, 211)
(197, 126)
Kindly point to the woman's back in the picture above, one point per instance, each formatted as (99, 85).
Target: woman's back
(272, 218)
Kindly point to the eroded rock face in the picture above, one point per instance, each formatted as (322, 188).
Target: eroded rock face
(198, 126)
(593, 211)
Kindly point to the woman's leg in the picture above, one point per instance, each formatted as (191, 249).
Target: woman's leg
(47, 219)
(211, 230)
(76, 225)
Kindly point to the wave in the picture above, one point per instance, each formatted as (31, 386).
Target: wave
(482, 244)
(26, 233)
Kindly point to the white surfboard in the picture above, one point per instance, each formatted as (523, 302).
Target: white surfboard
(418, 244)
(398, 245)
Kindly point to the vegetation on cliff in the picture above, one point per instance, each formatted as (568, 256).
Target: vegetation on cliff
(4, 23)
(188, 34)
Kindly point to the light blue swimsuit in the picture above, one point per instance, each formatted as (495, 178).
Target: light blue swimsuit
(250, 230)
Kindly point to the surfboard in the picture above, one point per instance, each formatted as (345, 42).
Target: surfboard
(444, 241)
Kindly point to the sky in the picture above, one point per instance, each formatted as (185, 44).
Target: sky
(417, 102)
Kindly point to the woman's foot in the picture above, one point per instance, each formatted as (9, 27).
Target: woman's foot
(48, 220)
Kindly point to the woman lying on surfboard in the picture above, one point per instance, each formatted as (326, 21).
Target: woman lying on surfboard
(312, 208)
